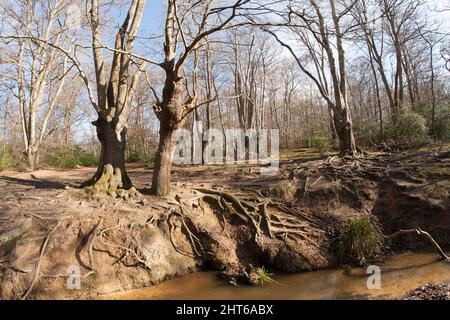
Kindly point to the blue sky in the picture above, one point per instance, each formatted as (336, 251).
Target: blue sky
(153, 15)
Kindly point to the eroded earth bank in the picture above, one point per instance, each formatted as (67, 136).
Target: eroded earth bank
(224, 218)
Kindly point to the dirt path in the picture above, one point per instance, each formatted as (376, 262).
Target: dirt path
(224, 218)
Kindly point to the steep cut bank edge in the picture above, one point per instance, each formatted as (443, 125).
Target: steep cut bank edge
(287, 223)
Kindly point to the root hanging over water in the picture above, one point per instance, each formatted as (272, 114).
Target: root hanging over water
(423, 234)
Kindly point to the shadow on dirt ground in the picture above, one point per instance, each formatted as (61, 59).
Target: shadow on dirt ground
(225, 218)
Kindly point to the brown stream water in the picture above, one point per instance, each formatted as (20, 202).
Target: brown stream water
(399, 274)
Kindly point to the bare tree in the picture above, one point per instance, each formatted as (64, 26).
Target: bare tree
(321, 33)
(374, 41)
(432, 40)
(116, 90)
(38, 75)
(187, 24)
(399, 14)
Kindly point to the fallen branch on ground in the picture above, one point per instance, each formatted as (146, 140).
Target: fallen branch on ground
(421, 233)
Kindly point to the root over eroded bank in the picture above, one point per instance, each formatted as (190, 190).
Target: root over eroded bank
(287, 221)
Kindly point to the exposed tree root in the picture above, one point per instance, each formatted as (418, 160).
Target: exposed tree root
(90, 245)
(125, 251)
(263, 211)
(108, 185)
(227, 196)
(87, 194)
(258, 215)
(422, 234)
(223, 226)
(193, 239)
(238, 204)
(38, 265)
(9, 265)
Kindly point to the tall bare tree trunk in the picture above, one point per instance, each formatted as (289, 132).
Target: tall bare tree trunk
(344, 131)
(332, 126)
(32, 159)
(171, 110)
(171, 118)
(163, 162)
(342, 117)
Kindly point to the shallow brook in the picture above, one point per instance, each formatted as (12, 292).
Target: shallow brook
(399, 274)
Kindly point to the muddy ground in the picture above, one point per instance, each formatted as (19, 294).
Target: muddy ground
(225, 218)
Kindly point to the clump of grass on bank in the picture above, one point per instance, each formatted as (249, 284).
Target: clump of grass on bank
(358, 242)
(70, 158)
(259, 276)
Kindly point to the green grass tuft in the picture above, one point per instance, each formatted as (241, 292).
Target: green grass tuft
(358, 242)
(260, 276)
